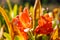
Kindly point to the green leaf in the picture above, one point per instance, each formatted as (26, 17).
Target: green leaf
(9, 4)
(8, 37)
(17, 38)
(31, 11)
(44, 37)
(54, 24)
(15, 10)
(36, 23)
(0, 25)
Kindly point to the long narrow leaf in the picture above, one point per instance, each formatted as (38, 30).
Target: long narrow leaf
(8, 37)
(15, 10)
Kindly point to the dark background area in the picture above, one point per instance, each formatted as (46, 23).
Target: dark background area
(45, 3)
(32, 1)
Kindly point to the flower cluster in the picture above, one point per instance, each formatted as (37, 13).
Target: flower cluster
(23, 21)
(44, 25)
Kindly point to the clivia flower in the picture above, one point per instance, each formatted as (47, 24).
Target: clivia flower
(44, 25)
(25, 19)
(23, 22)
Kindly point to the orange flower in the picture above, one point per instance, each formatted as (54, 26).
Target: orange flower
(44, 25)
(23, 21)
(16, 22)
